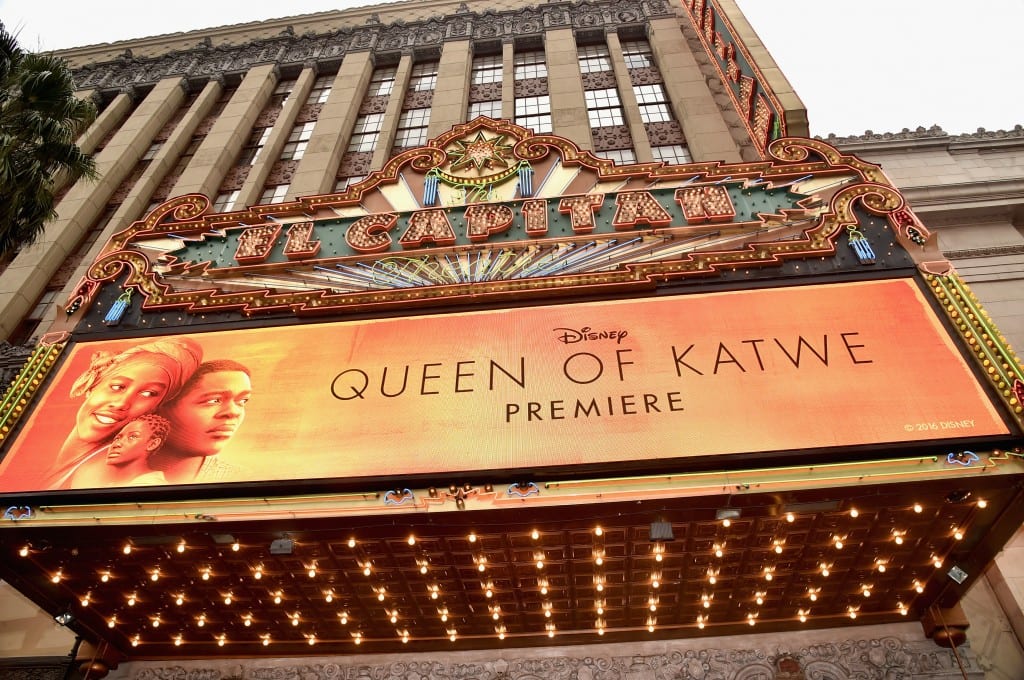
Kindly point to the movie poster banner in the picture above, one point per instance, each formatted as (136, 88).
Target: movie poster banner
(783, 369)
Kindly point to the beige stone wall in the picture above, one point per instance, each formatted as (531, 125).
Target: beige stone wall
(25, 631)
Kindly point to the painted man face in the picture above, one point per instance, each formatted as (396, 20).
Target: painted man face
(205, 419)
(135, 440)
(132, 389)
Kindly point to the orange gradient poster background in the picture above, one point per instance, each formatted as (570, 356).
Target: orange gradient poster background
(755, 371)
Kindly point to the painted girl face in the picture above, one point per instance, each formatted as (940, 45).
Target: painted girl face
(124, 393)
(135, 441)
(205, 419)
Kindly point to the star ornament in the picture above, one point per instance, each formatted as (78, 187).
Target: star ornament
(481, 153)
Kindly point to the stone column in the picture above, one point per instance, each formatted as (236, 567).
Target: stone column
(219, 150)
(108, 119)
(707, 134)
(319, 165)
(387, 132)
(630, 107)
(508, 80)
(271, 153)
(26, 277)
(451, 96)
(568, 107)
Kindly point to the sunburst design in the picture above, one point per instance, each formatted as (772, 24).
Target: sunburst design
(481, 153)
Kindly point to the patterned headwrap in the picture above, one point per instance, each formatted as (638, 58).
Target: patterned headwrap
(179, 356)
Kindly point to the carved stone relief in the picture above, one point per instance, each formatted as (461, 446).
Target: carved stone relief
(598, 80)
(378, 104)
(887, 658)
(485, 92)
(668, 132)
(531, 87)
(355, 163)
(645, 76)
(611, 137)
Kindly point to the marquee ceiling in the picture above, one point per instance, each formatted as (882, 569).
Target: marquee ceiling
(560, 563)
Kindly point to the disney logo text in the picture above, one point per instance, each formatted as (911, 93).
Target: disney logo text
(570, 336)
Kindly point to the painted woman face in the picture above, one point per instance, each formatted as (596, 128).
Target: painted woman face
(124, 393)
(205, 419)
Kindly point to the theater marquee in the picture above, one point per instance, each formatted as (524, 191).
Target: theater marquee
(799, 368)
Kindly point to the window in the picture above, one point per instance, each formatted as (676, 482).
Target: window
(594, 59)
(321, 90)
(366, 132)
(603, 107)
(254, 145)
(490, 109)
(412, 128)
(297, 142)
(225, 201)
(151, 151)
(186, 155)
(423, 77)
(637, 54)
(487, 69)
(653, 103)
(620, 156)
(530, 65)
(282, 92)
(344, 183)
(274, 193)
(673, 153)
(534, 112)
(382, 82)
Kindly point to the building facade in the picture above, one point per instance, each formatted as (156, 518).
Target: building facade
(412, 179)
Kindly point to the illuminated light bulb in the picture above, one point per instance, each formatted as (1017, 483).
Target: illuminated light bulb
(658, 557)
(790, 517)
(937, 562)
(277, 597)
(412, 540)
(394, 616)
(958, 535)
(481, 567)
(131, 600)
(839, 544)
(472, 537)
(598, 531)
(853, 613)
(312, 640)
(814, 597)
(86, 599)
(918, 508)
(181, 547)
(866, 592)
(236, 546)
(881, 567)
(295, 621)
(650, 627)
(156, 622)
(221, 640)
(802, 615)
(247, 620)
(202, 620)
(824, 569)
(543, 586)
(750, 620)
(105, 576)
(700, 623)
(329, 597)
(228, 599)
(367, 569)
(358, 639)
(23, 551)
(535, 534)
(918, 586)
(759, 599)
(258, 573)
(312, 572)
(344, 618)
(405, 637)
(155, 576)
(726, 523)
(899, 539)
(718, 550)
(551, 632)
(135, 641)
(111, 622)
(266, 640)
(452, 635)
(444, 616)
(778, 549)
(982, 503)
(488, 592)
(351, 542)
(600, 631)
(177, 641)
(380, 596)
(206, 574)
(854, 512)
(179, 600)
(127, 549)
(501, 635)
(599, 560)
(56, 577)
(768, 576)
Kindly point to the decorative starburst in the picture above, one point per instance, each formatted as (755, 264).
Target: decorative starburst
(481, 153)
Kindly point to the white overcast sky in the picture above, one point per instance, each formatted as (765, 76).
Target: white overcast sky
(881, 65)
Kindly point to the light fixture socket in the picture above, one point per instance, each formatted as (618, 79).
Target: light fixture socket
(958, 574)
(282, 546)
